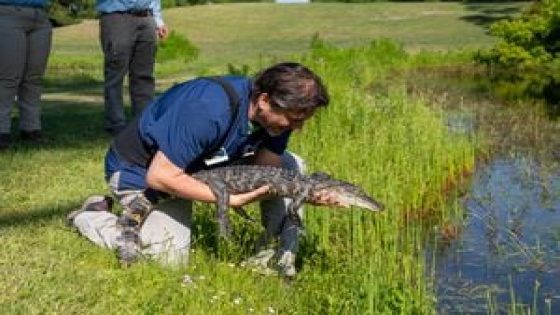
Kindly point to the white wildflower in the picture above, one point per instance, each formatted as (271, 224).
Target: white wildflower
(187, 281)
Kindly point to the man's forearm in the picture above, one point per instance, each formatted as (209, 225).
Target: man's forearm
(165, 176)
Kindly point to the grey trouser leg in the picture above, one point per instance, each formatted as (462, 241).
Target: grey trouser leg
(26, 42)
(274, 216)
(129, 46)
(165, 234)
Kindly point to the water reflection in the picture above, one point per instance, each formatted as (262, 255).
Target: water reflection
(508, 250)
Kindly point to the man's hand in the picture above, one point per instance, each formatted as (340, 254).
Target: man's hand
(246, 198)
(325, 198)
(162, 32)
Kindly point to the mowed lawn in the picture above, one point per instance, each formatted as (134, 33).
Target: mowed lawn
(243, 33)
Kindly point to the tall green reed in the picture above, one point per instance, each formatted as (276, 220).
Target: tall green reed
(400, 151)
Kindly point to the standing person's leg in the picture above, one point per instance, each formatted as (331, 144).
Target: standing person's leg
(12, 61)
(117, 40)
(29, 96)
(278, 225)
(141, 75)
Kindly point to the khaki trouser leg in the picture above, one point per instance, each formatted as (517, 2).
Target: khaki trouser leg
(165, 234)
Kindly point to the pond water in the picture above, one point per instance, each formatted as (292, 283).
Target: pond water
(508, 245)
(502, 255)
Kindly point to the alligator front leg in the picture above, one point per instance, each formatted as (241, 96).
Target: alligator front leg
(222, 205)
(224, 225)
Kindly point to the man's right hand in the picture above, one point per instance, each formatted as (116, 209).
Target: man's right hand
(162, 32)
(240, 200)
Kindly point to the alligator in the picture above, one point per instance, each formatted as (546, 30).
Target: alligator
(282, 182)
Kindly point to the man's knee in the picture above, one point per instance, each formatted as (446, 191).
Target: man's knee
(166, 233)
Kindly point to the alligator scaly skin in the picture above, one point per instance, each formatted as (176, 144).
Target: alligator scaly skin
(282, 182)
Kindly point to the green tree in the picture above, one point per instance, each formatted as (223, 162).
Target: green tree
(528, 42)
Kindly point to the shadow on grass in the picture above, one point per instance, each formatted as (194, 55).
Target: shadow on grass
(486, 14)
(82, 83)
(67, 124)
(483, 20)
(36, 216)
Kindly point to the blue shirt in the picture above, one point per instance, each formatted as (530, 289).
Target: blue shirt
(190, 124)
(26, 3)
(108, 6)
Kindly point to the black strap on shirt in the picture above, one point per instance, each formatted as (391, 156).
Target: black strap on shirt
(129, 145)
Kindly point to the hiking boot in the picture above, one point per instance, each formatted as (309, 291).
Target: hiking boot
(93, 203)
(33, 136)
(128, 243)
(128, 248)
(5, 140)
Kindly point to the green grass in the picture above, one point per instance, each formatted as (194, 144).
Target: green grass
(351, 262)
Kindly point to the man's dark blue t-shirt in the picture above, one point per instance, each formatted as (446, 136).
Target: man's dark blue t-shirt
(188, 121)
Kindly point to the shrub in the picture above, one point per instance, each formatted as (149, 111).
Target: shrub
(531, 41)
(61, 14)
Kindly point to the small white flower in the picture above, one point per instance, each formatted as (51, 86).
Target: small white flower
(271, 310)
(187, 280)
(237, 300)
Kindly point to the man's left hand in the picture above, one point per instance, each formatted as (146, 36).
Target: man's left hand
(325, 198)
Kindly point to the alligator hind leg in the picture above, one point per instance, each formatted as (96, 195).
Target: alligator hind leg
(293, 212)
